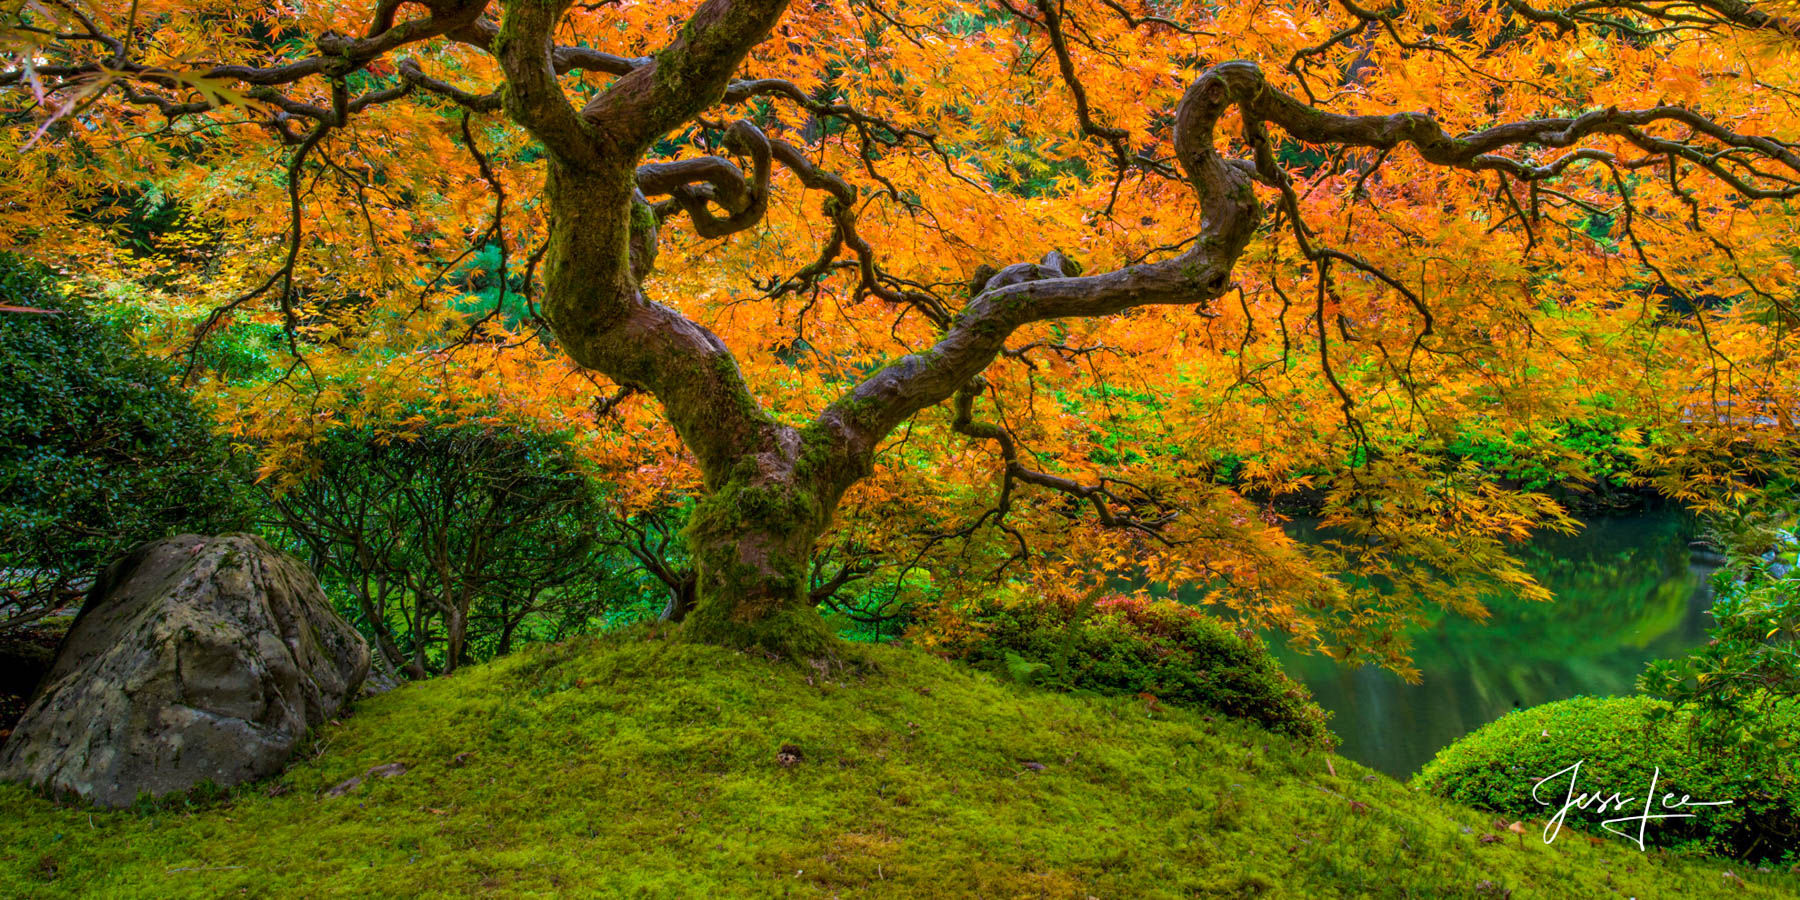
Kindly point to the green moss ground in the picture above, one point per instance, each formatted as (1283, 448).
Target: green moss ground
(646, 768)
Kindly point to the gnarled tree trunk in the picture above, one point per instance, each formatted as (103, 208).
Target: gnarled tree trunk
(752, 541)
(770, 489)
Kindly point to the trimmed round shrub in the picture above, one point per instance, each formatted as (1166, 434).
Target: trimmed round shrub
(1621, 743)
(99, 450)
(1127, 646)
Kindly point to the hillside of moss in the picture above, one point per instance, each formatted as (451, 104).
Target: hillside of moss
(643, 767)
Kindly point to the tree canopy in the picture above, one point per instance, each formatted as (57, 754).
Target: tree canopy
(1060, 291)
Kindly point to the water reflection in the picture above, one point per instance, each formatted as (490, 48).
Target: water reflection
(1626, 593)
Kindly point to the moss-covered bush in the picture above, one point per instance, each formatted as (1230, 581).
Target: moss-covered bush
(1621, 742)
(1123, 645)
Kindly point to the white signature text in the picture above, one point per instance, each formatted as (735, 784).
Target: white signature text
(1599, 803)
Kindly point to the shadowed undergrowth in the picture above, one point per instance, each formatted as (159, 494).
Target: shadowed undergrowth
(640, 767)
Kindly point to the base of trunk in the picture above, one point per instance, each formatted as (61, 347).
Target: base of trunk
(794, 633)
(751, 539)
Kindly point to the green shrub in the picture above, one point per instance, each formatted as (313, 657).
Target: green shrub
(1743, 684)
(99, 450)
(1122, 645)
(447, 541)
(1621, 742)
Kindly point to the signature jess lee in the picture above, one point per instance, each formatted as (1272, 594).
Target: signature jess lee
(1614, 802)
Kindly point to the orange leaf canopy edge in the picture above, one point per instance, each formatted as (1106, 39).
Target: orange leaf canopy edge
(949, 293)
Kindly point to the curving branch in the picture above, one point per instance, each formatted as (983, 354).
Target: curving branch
(415, 76)
(1480, 150)
(1229, 212)
(1102, 496)
(338, 54)
(841, 207)
(693, 183)
(603, 234)
(682, 80)
(1632, 16)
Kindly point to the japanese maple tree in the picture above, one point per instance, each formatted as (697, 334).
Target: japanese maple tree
(973, 284)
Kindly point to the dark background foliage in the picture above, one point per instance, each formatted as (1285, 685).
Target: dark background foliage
(99, 449)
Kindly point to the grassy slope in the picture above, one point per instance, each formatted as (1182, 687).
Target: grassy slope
(647, 769)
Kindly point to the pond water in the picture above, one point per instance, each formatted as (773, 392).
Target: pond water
(1626, 592)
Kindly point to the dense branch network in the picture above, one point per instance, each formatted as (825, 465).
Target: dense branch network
(604, 212)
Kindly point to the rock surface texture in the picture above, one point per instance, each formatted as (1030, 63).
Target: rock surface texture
(194, 659)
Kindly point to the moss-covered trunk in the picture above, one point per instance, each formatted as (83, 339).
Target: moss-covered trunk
(751, 536)
(771, 487)
(752, 542)
(769, 492)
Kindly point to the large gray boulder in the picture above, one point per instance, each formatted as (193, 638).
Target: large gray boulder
(194, 659)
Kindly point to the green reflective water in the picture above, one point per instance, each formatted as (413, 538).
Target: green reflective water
(1626, 593)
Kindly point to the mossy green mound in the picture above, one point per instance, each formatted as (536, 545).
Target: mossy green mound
(648, 768)
(1621, 744)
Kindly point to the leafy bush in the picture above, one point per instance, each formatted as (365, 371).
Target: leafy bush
(1743, 684)
(1621, 742)
(1741, 689)
(454, 541)
(99, 450)
(1123, 645)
